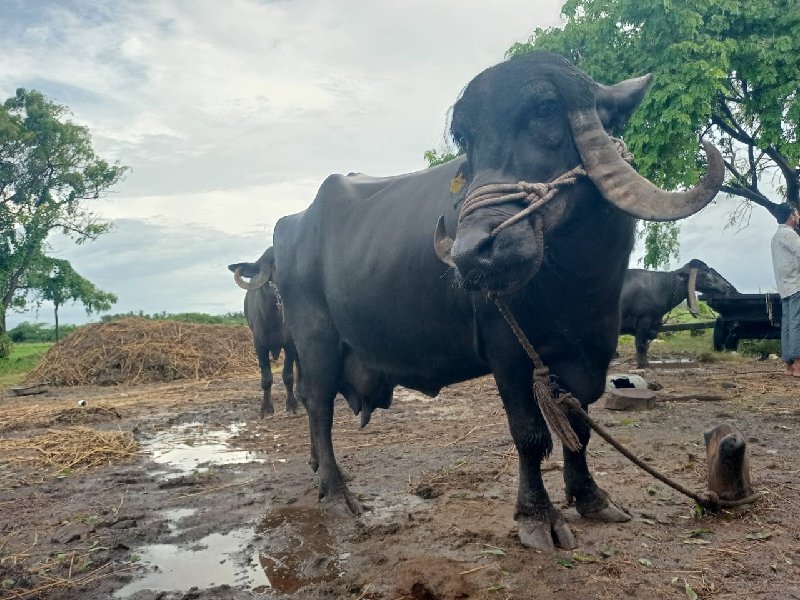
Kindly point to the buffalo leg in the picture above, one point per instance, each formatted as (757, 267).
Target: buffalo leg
(266, 380)
(590, 499)
(541, 525)
(302, 394)
(289, 359)
(321, 360)
(642, 341)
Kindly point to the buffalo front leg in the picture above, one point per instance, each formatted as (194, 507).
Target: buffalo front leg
(642, 337)
(541, 525)
(590, 500)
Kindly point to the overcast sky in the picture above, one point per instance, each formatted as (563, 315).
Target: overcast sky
(230, 115)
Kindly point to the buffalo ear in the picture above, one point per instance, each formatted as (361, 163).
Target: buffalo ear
(616, 103)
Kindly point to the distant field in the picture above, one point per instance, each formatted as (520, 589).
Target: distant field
(24, 356)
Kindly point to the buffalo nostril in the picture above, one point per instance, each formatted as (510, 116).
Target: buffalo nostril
(466, 249)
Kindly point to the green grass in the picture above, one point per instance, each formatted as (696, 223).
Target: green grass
(24, 357)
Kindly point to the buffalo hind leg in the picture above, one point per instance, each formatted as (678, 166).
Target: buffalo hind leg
(289, 360)
(541, 525)
(313, 461)
(320, 376)
(266, 410)
(590, 500)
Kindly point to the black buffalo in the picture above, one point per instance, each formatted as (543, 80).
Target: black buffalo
(365, 293)
(263, 310)
(648, 295)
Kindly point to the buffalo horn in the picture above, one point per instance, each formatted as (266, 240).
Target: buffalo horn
(691, 297)
(621, 185)
(256, 282)
(442, 243)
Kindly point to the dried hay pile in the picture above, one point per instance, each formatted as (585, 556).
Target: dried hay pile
(63, 451)
(144, 350)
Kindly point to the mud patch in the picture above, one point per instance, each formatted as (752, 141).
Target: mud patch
(432, 578)
(299, 549)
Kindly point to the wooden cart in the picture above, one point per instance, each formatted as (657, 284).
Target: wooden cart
(744, 317)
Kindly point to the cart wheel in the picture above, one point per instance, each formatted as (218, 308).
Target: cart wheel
(724, 338)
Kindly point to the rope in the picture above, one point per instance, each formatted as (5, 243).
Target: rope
(553, 415)
(553, 411)
(535, 195)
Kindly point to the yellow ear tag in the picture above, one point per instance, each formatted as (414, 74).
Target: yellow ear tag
(456, 183)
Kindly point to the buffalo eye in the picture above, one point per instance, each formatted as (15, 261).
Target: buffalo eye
(543, 108)
(461, 141)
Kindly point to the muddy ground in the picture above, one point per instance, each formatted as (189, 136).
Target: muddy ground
(218, 504)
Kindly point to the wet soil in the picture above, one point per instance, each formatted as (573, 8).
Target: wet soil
(219, 504)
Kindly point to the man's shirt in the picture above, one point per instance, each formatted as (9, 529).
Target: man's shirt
(786, 260)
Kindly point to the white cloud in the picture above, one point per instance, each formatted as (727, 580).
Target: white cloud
(231, 115)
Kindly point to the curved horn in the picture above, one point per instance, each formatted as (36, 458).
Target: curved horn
(256, 282)
(442, 243)
(691, 296)
(621, 185)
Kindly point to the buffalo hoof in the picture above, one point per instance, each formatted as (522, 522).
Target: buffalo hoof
(266, 410)
(342, 504)
(546, 535)
(610, 513)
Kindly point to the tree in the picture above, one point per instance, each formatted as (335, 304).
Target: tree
(433, 157)
(48, 170)
(727, 71)
(54, 280)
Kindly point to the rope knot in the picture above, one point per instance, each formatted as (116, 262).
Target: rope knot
(537, 189)
(622, 148)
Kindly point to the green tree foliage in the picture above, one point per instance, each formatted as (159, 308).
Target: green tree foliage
(54, 280)
(48, 170)
(37, 332)
(231, 318)
(433, 157)
(727, 71)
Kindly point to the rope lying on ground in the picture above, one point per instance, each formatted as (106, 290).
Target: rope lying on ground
(567, 402)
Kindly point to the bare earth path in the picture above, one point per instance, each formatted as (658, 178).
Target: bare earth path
(217, 504)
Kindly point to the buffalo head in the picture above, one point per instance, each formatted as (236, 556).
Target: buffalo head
(534, 131)
(259, 272)
(698, 276)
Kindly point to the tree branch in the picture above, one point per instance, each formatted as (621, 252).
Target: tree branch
(752, 195)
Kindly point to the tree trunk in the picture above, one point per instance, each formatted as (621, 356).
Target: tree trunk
(56, 313)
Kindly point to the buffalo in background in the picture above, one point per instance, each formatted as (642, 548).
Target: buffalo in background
(263, 309)
(649, 295)
(542, 205)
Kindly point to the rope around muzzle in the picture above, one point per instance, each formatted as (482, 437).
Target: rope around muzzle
(536, 195)
(554, 411)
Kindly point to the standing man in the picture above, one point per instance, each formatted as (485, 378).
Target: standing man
(786, 263)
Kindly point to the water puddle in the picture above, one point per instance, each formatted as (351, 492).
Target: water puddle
(174, 515)
(299, 549)
(217, 559)
(291, 548)
(196, 447)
